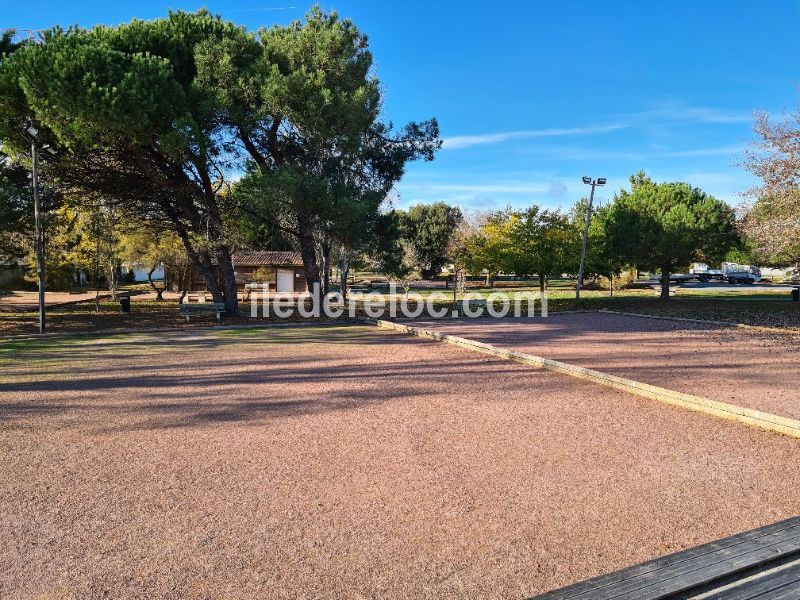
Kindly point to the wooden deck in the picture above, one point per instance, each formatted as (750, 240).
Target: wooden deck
(763, 563)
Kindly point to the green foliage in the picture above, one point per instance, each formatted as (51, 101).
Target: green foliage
(150, 246)
(387, 251)
(132, 121)
(487, 247)
(78, 241)
(543, 242)
(157, 116)
(16, 209)
(667, 226)
(305, 104)
(428, 229)
(601, 258)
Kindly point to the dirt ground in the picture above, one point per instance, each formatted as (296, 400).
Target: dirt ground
(744, 367)
(29, 301)
(348, 462)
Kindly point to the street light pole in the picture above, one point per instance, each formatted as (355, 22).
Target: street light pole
(593, 182)
(38, 242)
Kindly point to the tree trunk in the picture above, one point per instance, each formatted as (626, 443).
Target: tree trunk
(184, 284)
(542, 283)
(611, 285)
(344, 269)
(202, 262)
(228, 275)
(325, 248)
(308, 251)
(490, 280)
(158, 290)
(97, 274)
(665, 284)
(112, 279)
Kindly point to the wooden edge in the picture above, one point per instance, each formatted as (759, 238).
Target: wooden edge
(748, 416)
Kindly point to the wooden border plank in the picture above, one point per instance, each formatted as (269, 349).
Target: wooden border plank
(714, 565)
(748, 416)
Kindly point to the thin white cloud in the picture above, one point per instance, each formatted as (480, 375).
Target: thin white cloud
(714, 151)
(663, 114)
(262, 9)
(467, 141)
(638, 155)
(482, 188)
(680, 112)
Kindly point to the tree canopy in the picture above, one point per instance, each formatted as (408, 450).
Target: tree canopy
(159, 117)
(133, 124)
(428, 229)
(305, 103)
(543, 242)
(667, 226)
(772, 216)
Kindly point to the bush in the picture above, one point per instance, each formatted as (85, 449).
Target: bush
(620, 282)
(59, 275)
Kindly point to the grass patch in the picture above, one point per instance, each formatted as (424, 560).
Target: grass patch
(53, 355)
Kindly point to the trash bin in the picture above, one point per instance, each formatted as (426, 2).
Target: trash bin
(125, 304)
(796, 294)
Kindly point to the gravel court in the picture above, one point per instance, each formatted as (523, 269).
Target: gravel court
(748, 368)
(349, 462)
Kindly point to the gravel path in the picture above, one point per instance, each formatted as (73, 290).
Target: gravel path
(29, 301)
(744, 367)
(348, 462)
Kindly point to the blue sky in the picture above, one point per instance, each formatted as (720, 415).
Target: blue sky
(533, 95)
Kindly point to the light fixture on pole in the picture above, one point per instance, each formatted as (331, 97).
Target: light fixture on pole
(600, 181)
(33, 133)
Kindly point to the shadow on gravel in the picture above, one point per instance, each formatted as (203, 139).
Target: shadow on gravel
(226, 380)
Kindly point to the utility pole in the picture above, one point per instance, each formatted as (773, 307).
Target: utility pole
(36, 36)
(594, 183)
(38, 242)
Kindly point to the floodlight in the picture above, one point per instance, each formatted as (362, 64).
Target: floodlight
(587, 180)
(601, 181)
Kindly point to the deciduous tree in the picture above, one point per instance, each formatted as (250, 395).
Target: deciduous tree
(772, 214)
(542, 242)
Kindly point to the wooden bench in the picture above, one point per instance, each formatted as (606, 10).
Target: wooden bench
(358, 289)
(216, 308)
(752, 564)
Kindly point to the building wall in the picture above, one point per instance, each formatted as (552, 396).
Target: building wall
(140, 275)
(244, 276)
(12, 277)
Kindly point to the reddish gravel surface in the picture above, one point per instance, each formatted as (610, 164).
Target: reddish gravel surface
(348, 462)
(24, 301)
(744, 367)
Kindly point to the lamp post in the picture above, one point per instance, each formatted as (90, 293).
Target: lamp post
(600, 181)
(32, 134)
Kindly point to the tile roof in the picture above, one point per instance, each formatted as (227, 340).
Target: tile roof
(266, 258)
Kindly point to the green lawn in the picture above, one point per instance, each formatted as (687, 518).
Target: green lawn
(745, 306)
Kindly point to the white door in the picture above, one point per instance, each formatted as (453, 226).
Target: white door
(285, 280)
